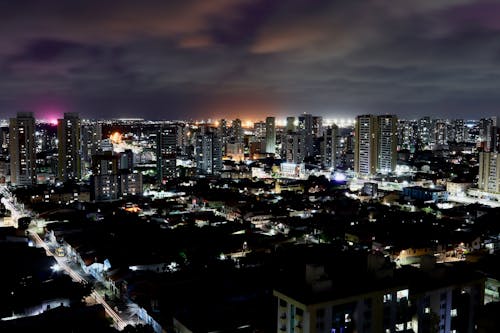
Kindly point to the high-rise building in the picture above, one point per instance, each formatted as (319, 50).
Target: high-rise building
(208, 154)
(105, 180)
(424, 133)
(495, 139)
(69, 147)
(329, 146)
(376, 144)
(131, 183)
(306, 131)
(485, 133)
(22, 149)
(270, 135)
(440, 135)
(344, 157)
(317, 126)
(290, 125)
(406, 135)
(236, 131)
(293, 148)
(4, 140)
(91, 139)
(365, 156)
(259, 131)
(387, 139)
(223, 134)
(458, 130)
(489, 172)
(183, 138)
(166, 153)
(45, 137)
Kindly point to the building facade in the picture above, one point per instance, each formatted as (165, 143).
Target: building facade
(91, 139)
(69, 147)
(270, 135)
(105, 181)
(387, 141)
(417, 301)
(329, 147)
(208, 153)
(22, 149)
(365, 155)
(166, 153)
(489, 172)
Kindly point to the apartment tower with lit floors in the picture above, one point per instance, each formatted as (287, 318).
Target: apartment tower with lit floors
(22, 149)
(69, 146)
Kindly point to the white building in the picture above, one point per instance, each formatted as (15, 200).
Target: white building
(489, 172)
(387, 140)
(365, 157)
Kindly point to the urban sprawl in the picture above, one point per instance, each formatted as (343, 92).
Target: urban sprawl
(301, 224)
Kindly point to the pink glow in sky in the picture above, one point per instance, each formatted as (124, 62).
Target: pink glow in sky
(49, 114)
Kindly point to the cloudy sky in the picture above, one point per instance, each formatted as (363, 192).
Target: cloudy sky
(195, 59)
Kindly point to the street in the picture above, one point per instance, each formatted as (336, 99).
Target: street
(118, 321)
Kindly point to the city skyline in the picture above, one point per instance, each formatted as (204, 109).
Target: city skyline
(250, 59)
(403, 205)
(299, 166)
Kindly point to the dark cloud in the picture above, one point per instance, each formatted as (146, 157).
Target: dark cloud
(197, 58)
(46, 50)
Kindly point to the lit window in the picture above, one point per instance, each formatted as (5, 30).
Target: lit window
(402, 294)
(453, 312)
(427, 310)
(387, 298)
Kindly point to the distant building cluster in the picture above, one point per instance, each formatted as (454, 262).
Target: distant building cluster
(297, 225)
(120, 158)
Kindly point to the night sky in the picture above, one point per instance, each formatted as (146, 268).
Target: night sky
(250, 58)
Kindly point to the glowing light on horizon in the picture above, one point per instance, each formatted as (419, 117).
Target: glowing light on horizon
(116, 138)
(341, 122)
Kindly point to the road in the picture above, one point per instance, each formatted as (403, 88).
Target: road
(9, 201)
(119, 322)
(17, 210)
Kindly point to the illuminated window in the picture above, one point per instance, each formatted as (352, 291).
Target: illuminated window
(402, 294)
(387, 298)
(453, 312)
(427, 310)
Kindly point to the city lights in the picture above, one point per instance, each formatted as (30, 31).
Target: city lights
(250, 166)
